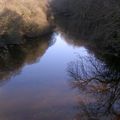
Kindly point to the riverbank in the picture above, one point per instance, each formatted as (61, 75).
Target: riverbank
(22, 19)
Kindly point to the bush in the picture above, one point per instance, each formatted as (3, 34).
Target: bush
(22, 18)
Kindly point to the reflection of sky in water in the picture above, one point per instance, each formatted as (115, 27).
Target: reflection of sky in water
(42, 87)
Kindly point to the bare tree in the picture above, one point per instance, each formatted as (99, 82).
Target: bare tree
(95, 80)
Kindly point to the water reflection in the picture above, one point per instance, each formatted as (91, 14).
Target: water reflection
(99, 87)
(41, 90)
(14, 57)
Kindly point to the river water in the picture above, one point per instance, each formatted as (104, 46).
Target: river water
(40, 89)
(42, 82)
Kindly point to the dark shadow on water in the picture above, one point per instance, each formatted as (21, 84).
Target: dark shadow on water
(14, 57)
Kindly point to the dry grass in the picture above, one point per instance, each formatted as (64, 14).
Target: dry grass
(23, 17)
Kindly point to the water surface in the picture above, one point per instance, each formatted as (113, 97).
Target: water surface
(39, 89)
(57, 77)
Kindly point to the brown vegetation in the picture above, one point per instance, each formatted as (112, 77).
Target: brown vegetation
(23, 18)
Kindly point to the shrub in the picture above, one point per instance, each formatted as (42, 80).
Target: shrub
(22, 18)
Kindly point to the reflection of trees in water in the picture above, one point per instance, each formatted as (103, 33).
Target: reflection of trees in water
(108, 52)
(14, 57)
(99, 87)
